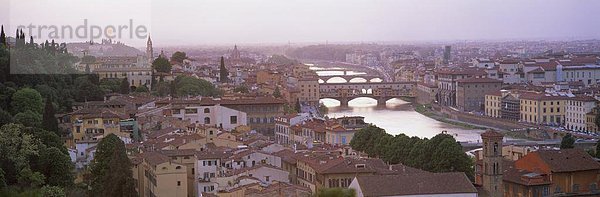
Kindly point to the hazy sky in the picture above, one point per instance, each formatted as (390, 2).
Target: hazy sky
(204, 22)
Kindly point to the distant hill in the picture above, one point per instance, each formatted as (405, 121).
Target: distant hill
(103, 49)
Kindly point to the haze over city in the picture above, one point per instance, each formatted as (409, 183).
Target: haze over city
(207, 22)
(299, 98)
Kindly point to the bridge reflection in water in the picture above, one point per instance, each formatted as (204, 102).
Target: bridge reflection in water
(398, 117)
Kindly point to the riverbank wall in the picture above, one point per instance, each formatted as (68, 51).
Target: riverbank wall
(510, 128)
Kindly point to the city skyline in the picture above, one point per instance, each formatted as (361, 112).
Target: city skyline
(333, 21)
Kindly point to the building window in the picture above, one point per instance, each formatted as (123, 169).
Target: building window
(495, 148)
(191, 111)
(207, 120)
(178, 183)
(233, 120)
(206, 110)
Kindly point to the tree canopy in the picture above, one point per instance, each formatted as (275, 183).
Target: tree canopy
(241, 89)
(191, 86)
(439, 154)
(162, 64)
(27, 99)
(568, 141)
(178, 56)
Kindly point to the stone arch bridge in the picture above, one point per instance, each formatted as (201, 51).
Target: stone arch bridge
(380, 91)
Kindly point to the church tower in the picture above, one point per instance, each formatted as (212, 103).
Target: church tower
(235, 55)
(492, 163)
(149, 50)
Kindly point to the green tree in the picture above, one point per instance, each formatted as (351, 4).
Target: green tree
(49, 121)
(57, 167)
(124, 87)
(29, 178)
(52, 191)
(163, 88)
(2, 180)
(6, 93)
(110, 85)
(111, 169)
(178, 57)
(141, 89)
(598, 150)
(191, 86)
(568, 141)
(162, 64)
(47, 92)
(27, 99)
(5, 117)
(223, 72)
(277, 93)
(241, 89)
(86, 90)
(449, 157)
(28, 119)
(336, 192)
(2, 37)
(119, 182)
(48, 138)
(298, 107)
(16, 148)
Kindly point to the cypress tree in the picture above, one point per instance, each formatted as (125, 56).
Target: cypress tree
(124, 89)
(298, 106)
(111, 169)
(17, 36)
(277, 92)
(2, 37)
(119, 179)
(223, 71)
(49, 122)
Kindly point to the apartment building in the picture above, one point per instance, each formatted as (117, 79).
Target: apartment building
(215, 115)
(88, 124)
(542, 108)
(309, 90)
(470, 92)
(576, 110)
(156, 175)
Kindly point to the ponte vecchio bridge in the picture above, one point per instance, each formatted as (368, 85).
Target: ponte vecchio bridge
(380, 91)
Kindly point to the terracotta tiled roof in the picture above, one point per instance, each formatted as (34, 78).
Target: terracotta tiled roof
(524, 177)
(567, 160)
(104, 113)
(415, 184)
(478, 80)
(491, 133)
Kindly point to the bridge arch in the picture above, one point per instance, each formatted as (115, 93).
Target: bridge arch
(358, 80)
(376, 80)
(336, 80)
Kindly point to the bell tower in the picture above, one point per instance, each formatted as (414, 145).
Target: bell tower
(149, 50)
(492, 163)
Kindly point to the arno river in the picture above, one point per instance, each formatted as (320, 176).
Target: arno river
(396, 117)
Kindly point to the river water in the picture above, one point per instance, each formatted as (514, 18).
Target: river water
(396, 117)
